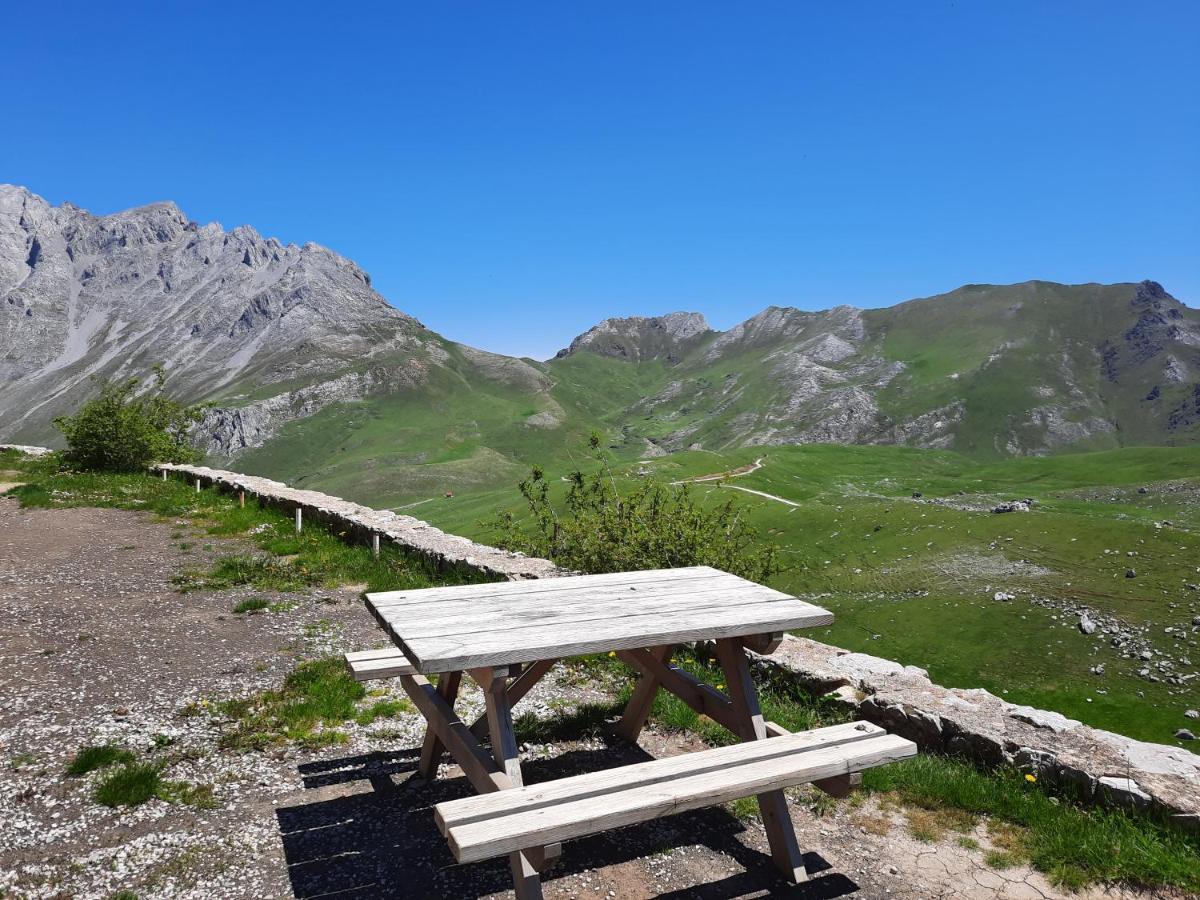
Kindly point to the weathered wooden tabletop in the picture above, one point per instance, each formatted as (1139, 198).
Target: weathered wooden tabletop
(469, 626)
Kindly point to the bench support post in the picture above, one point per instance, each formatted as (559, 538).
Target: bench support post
(781, 834)
(431, 749)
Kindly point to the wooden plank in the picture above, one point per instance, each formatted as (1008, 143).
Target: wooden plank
(540, 586)
(475, 841)
(751, 726)
(614, 593)
(649, 774)
(433, 745)
(376, 653)
(475, 762)
(637, 710)
(835, 787)
(502, 647)
(568, 611)
(366, 665)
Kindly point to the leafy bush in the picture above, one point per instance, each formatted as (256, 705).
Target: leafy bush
(651, 526)
(121, 430)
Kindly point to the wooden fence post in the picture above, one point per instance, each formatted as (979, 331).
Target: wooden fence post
(242, 499)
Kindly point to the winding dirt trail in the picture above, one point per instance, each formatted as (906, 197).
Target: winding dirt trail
(730, 473)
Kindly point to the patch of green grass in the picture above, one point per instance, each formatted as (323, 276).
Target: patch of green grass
(315, 697)
(184, 793)
(131, 785)
(252, 605)
(1073, 844)
(91, 758)
(743, 808)
(318, 556)
(382, 709)
(913, 580)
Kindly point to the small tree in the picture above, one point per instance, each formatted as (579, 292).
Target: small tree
(121, 430)
(653, 525)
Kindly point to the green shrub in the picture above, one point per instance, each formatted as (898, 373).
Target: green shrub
(653, 526)
(121, 430)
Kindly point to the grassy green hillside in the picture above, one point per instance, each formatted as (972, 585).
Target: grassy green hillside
(914, 579)
(987, 371)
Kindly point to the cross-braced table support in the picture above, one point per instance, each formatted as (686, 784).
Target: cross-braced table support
(501, 769)
(738, 711)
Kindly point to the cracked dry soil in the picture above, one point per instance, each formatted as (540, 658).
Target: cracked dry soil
(97, 645)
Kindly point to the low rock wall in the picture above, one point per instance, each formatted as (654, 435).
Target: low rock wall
(1105, 767)
(447, 551)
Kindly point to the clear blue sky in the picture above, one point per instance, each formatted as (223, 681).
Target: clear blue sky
(511, 173)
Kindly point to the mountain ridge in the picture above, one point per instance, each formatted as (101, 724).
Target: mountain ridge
(310, 372)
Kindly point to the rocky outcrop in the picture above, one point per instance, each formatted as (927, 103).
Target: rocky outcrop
(639, 337)
(976, 724)
(111, 296)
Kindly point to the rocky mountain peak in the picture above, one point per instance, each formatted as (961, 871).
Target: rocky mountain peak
(642, 337)
(84, 295)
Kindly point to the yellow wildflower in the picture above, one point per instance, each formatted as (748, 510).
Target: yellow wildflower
(612, 653)
(1030, 777)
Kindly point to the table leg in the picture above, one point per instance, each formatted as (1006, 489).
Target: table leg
(525, 864)
(750, 726)
(432, 748)
(637, 710)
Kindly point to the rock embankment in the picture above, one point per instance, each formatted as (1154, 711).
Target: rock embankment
(1106, 767)
(445, 550)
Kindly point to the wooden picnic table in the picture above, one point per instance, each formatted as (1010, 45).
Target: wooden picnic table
(507, 636)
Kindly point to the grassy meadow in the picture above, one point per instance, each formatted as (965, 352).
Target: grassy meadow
(913, 579)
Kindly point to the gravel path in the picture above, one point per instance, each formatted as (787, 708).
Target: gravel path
(96, 645)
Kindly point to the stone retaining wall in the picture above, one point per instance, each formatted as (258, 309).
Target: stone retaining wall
(976, 724)
(444, 550)
(1106, 767)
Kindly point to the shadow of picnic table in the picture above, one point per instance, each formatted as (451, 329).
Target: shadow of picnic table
(372, 835)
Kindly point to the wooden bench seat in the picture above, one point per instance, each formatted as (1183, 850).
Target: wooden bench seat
(387, 662)
(502, 822)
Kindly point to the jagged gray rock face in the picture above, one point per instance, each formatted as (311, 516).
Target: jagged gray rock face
(228, 313)
(641, 337)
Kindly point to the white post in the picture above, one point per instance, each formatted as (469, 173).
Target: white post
(375, 545)
(197, 485)
(299, 522)
(242, 499)
(164, 474)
